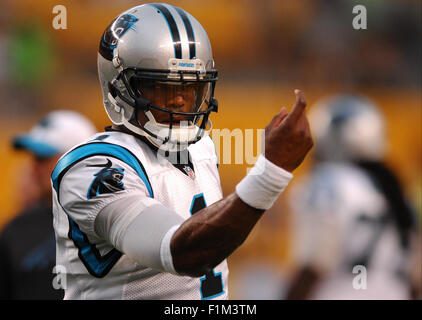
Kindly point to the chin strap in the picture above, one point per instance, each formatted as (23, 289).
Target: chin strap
(160, 135)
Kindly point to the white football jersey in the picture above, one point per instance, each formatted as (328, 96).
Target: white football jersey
(110, 166)
(340, 223)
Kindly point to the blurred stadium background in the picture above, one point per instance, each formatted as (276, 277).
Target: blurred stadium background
(263, 51)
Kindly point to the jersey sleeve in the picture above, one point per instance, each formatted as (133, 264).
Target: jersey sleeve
(88, 186)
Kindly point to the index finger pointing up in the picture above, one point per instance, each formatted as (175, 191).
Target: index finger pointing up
(299, 106)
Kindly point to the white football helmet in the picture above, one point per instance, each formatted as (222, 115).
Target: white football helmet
(346, 128)
(158, 50)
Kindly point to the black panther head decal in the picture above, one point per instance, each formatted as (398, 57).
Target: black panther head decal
(107, 180)
(114, 32)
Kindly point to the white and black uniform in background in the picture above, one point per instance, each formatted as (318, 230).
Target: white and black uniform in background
(113, 198)
(353, 214)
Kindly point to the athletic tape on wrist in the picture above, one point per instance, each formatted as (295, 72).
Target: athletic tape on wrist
(263, 184)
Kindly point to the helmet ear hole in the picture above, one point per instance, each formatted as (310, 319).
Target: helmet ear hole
(112, 90)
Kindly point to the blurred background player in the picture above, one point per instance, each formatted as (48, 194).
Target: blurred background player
(27, 243)
(350, 210)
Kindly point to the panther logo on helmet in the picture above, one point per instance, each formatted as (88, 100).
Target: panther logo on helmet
(113, 32)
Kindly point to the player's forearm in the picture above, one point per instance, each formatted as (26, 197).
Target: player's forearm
(212, 234)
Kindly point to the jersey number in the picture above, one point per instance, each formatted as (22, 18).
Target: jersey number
(212, 283)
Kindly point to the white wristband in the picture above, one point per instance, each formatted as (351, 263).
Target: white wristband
(165, 252)
(263, 184)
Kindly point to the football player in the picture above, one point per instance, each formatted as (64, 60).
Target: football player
(138, 209)
(354, 229)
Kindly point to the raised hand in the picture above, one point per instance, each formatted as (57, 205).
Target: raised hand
(288, 137)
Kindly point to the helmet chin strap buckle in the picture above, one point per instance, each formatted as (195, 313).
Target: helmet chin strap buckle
(117, 63)
(214, 104)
